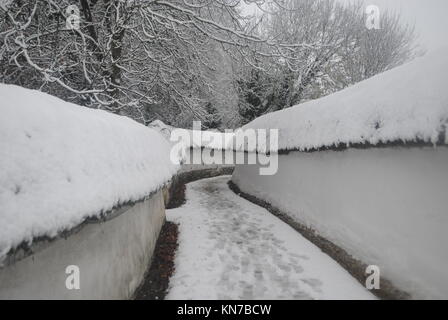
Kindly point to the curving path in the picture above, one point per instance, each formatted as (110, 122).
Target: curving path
(230, 248)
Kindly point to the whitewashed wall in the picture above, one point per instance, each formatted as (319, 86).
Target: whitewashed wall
(112, 257)
(387, 207)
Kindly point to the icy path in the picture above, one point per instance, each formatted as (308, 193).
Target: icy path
(230, 248)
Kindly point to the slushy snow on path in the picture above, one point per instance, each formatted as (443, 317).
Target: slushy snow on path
(230, 248)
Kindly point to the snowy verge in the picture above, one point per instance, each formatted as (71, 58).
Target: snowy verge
(62, 163)
(405, 104)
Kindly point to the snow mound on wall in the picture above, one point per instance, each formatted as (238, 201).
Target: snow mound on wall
(408, 103)
(61, 163)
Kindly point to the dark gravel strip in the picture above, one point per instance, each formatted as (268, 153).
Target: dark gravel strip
(155, 284)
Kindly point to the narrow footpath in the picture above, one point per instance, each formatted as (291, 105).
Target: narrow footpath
(230, 248)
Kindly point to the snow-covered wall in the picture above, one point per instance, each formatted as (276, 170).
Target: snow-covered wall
(78, 187)
(406, 104)
(198, 150)
(62, 164)
(196, 138)
(368, 170)
(195, 159)
(112, 257)
(385, 206)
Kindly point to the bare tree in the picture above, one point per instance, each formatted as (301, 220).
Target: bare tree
(372, 51)
(127, 55)
(152, 58)
(348, 53)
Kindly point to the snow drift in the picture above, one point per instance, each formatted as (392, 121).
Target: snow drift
(406, 104)
(62, 163)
